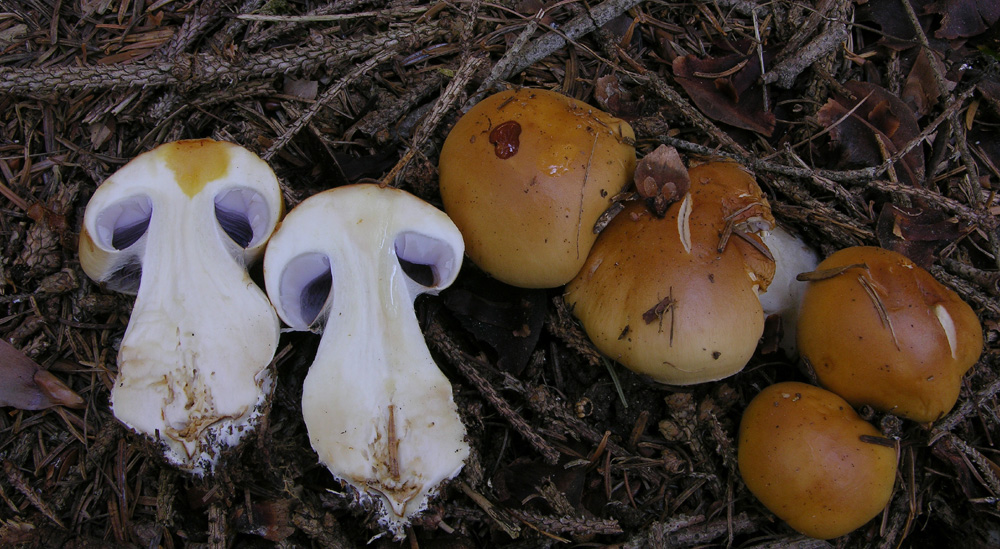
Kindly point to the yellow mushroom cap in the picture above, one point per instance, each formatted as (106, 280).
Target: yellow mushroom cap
(888, 335)
(658, 296)
(801, 453)
(525, 174)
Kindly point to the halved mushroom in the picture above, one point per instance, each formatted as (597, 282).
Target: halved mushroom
(349, 262)
(177, 227)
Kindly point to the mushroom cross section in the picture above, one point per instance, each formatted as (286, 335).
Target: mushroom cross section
(177, 227)
(349, 262)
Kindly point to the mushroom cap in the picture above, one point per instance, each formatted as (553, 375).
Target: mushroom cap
(525, 175)
(801, 454)
(907, 360)
(177, 226)
(657, 295)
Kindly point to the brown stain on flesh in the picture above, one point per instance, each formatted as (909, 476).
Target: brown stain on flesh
(195, 163)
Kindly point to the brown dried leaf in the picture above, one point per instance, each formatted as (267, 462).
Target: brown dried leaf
(890, 17)
(25, 385)
(917, 234)
(856, 130)
(727, 89)
(921, 91)
(507, 319)
(614, 98)
(964, 18)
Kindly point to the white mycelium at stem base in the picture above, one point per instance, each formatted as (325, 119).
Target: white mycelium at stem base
(192, 366)
(380, 414)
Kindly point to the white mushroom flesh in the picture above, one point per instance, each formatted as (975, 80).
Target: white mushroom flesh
(379, 412)
(784, 295)
(192, 366)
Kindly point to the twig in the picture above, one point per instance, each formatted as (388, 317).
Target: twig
(467, 365)
(943, 427)
(17, 480)
(202, 68)
(795, 58)
(324, 99)
(578, 26)
(575, 526)
(440, 108)
(330, 17)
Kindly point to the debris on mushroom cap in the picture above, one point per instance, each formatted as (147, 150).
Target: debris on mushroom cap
(525, 174)
(879, 330)
(661, 178)
(784, 295)
(675, 298)
(349, 262)
(812, 461)
(177, 227)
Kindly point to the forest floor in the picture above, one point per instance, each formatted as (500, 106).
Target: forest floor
(865, 122)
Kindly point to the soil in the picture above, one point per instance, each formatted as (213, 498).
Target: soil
(865, 123)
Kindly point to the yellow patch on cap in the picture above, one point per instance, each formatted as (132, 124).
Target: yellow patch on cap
(196, 162)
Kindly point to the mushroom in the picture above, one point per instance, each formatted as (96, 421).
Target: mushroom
(177, 226)
(525, 174)
(879, 330)
(812, 461)
(349, 262)
(675, 298)
(784, 295)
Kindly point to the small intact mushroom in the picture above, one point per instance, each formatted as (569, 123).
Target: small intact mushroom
(349, 262)
(812, 461)
(177, 227)
(879, 330)
(675, 298)
(525, 174)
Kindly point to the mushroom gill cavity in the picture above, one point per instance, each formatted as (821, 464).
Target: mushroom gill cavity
(426, 260)
(243, 214)
(306, 287)
(123, 223)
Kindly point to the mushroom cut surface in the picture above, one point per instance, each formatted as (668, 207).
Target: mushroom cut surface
(380, 414)
(177, 226)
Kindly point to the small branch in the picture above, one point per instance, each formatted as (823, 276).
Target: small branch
(201, 69)
(325, 99)
(467, 365)
(430, 123)
(554, 40)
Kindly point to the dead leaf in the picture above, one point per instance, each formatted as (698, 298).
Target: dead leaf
(964, 18)
(917, 234)
(661, 178)
(921, 91)
(727, 89)
(507, 319)
(891, 18)
(26, 386)
(303, 89)
(614, 98)
(856, 131)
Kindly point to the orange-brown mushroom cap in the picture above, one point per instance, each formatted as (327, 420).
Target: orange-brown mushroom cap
(810, 459)
(657, 295)
(525, 174)
(888, 334)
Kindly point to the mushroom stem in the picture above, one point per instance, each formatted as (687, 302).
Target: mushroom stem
(177, 227)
